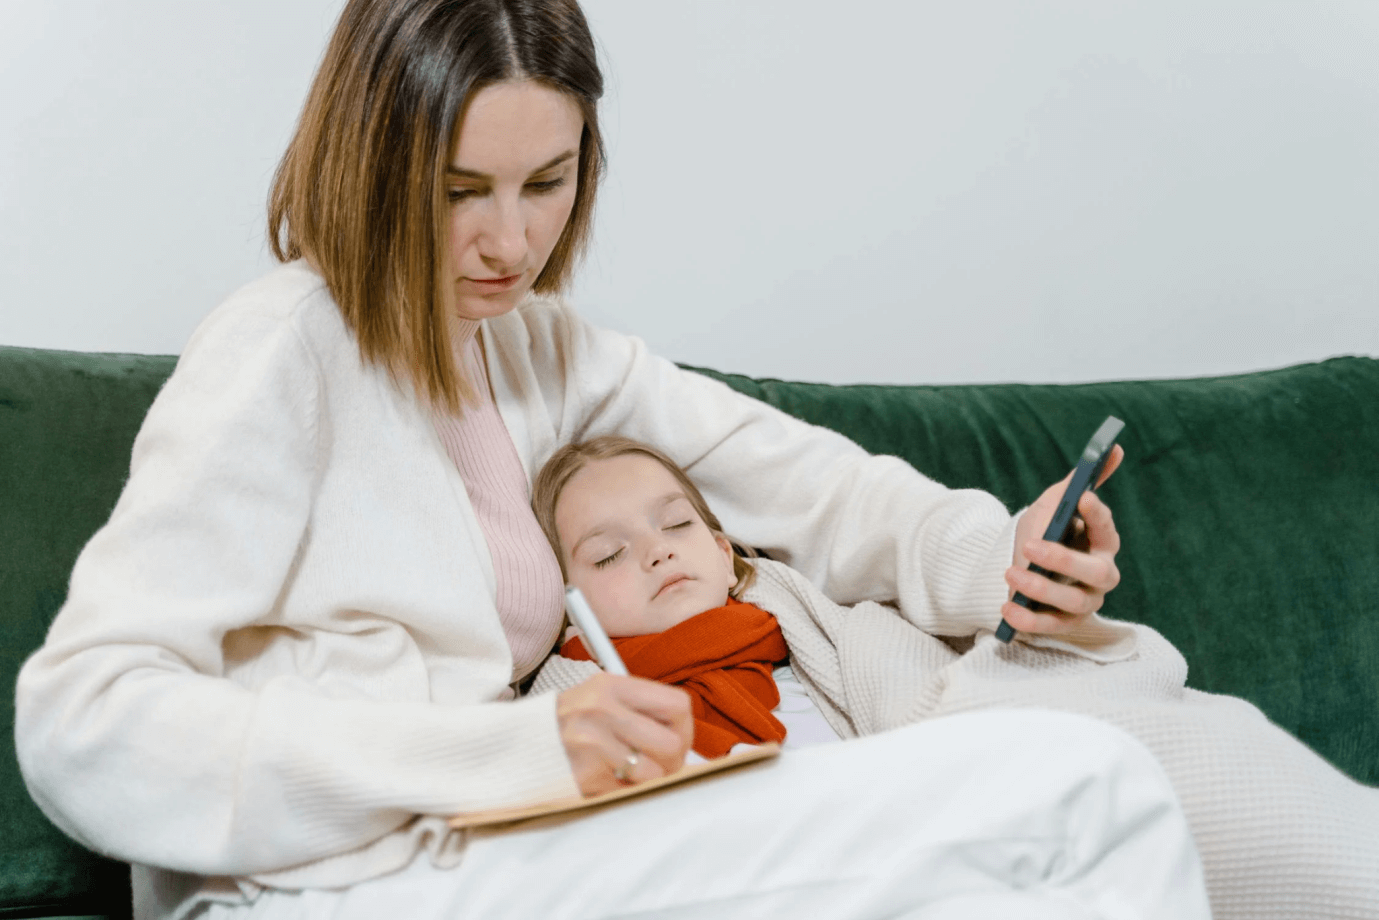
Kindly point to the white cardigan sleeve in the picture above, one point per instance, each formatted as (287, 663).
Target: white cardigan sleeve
(861, 527)
(131, 738)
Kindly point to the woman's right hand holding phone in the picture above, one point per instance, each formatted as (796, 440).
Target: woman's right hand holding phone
(1083, 574)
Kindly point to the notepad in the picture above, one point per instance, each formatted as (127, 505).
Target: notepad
(497, 816)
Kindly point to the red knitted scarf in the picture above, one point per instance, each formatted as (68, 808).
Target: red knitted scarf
(723, 657)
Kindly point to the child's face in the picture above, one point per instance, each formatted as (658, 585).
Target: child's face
(636, 548)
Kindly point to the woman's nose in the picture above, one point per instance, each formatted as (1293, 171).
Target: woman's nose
(504, 241)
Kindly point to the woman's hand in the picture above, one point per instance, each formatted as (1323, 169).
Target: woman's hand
(619, 731)
(1089, 567)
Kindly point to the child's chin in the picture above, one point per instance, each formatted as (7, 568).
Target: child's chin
(682, 613)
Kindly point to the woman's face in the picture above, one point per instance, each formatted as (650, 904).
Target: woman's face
(510, 186)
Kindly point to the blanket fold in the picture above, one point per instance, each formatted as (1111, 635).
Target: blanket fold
(723, 658)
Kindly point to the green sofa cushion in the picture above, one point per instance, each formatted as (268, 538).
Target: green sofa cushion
(1246, 505)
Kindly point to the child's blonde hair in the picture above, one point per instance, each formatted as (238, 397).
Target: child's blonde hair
(572, 458)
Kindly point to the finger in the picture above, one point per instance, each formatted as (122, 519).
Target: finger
(655, 719)
(1094, 570)
(593, 756)
(1054, 493)
(1100, 524)
(634, 767)
(667, 705)
(1030, 621)
(1035, 521)
(1071, 599)
(662, 750)
(650, 725)
(588, 715)
(622, 764)
(603, 760)
(662, 702)
(1112, 463)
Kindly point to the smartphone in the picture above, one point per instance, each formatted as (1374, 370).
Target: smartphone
(1063, 527)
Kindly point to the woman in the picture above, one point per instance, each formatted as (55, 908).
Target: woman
(299, 643)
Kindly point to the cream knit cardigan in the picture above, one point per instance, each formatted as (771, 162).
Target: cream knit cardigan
(1283, 834)
(280, 660)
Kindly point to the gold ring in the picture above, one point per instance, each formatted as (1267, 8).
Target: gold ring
(624, 771)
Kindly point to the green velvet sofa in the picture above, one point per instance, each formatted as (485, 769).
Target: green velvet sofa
(1248, 507)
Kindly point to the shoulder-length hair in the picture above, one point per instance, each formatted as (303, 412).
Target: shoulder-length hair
(570, 459)
(360, 191)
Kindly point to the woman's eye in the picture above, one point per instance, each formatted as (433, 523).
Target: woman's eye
(608, 560)
(679, 526)
(547, 185)
(456, 195)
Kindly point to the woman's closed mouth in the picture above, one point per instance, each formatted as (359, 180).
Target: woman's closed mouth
(495, 285)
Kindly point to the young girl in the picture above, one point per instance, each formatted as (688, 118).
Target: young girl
(635, 535)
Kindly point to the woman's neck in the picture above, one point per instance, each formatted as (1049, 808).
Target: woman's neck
(461, 331)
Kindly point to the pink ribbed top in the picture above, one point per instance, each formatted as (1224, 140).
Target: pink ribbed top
(531, 593)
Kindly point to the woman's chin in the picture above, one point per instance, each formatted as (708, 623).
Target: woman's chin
(486, 306)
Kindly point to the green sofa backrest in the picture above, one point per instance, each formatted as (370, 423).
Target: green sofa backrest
(67, 421)
(1247, 507)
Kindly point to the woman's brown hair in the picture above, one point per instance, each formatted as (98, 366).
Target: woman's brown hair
(360, 190)
(570, 459)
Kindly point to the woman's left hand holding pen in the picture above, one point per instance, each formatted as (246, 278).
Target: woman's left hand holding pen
(619, 731)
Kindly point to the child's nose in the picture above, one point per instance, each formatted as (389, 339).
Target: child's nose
(659, 552)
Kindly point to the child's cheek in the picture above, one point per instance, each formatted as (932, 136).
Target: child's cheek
(625, 595)
(626, 606)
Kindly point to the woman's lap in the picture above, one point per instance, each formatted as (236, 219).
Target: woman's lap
(1038, 814)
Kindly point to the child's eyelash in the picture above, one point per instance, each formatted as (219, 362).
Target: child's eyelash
(608, 560)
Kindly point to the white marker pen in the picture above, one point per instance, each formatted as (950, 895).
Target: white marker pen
(594, 636)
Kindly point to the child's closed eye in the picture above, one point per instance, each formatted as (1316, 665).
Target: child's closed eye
(608, 560)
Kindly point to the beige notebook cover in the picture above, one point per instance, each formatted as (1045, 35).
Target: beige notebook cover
(578, 803)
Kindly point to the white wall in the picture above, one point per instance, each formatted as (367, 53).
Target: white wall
(137, 141)
(904, 192)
